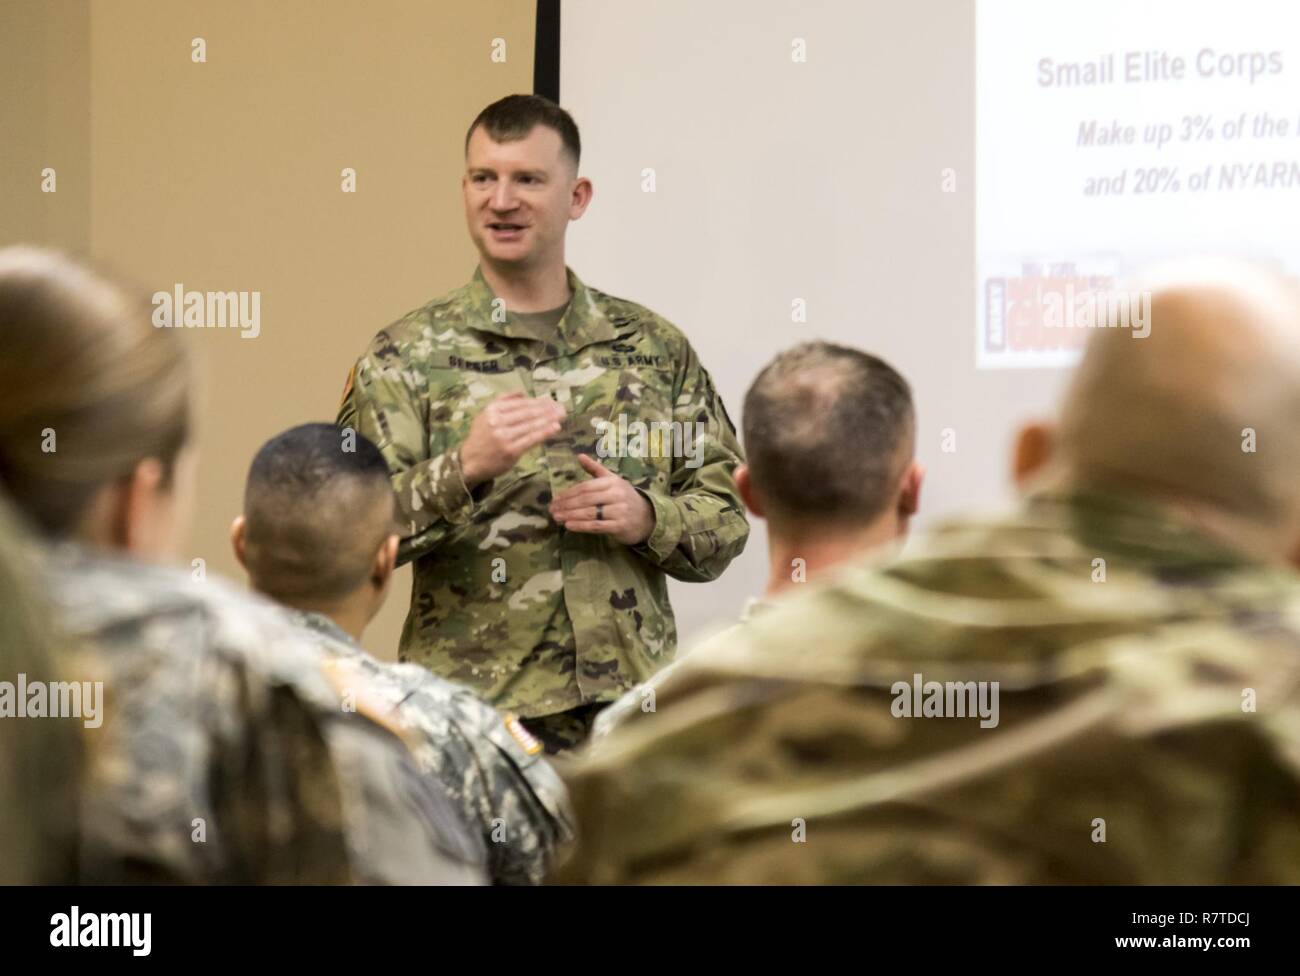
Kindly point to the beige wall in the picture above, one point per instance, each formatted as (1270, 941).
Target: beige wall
(45, 122)
(226, 176)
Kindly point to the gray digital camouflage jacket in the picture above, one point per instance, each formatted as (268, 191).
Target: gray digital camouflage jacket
(223, 752)
(491, 767)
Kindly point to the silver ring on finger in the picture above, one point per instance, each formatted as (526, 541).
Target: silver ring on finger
(600, 512)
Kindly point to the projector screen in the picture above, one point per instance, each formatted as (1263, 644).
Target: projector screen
(1112, 134)
(768, 172)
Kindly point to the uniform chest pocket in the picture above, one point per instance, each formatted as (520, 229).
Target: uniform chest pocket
(640, 435)
(456, 397)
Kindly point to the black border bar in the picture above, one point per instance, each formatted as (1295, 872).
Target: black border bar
(546, 50)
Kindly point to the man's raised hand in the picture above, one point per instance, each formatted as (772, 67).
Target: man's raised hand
(504, 430)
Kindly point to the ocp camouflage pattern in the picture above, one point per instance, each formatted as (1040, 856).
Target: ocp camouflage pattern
(1148, 732)
(643, 699)
(534, 618)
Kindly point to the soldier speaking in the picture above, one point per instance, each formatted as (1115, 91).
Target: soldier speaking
(540, 570)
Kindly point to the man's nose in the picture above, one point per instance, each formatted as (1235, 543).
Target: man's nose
(503, 196)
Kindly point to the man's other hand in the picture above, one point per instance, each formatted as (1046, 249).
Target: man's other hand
(624, 512)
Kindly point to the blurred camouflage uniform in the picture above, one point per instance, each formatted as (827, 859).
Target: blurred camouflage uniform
(39, 756)
(539, 620)
(1125, 714)
(488, 763)
(642, 700)
(225, 753)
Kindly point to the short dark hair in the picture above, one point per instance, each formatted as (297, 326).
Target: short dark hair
(514, 116)
(828, 431)
(317, 505)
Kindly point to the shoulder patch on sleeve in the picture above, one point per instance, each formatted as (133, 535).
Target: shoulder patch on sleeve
(526, 740)
(347, 387)
(356, 694)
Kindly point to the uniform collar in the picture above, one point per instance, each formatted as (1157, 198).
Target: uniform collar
(1146, 529)
(322, 625)
(583, 322)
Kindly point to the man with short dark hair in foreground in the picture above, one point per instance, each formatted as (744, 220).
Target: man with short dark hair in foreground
(830, 437)
(1103, 687)
(318, 535)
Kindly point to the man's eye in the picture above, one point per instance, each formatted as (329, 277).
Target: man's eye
(479, 178)
(528, 179)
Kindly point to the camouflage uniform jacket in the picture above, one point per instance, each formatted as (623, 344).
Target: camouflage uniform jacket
(641, 700)
(1148, 720)
(225, 754)
(536, 619)
(490, 766)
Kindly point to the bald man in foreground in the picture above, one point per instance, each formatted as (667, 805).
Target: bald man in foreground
(1103, 687)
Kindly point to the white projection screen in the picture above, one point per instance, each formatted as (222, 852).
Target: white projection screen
(904, 171)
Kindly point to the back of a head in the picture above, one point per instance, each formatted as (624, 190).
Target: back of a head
(828, 432)
(318, 504)
(88, 386)
(1204, 410)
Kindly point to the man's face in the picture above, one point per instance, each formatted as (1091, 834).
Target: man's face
(520, 196)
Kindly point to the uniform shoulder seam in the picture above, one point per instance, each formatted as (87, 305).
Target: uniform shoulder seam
(405, 329)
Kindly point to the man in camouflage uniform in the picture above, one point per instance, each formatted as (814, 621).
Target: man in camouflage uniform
(1140, 616)
(540, 572)
(228, 752)
(830, 438)
(318, 535)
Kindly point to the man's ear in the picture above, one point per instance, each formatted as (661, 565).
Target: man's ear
(385, 564)
(237, 529)
(745, 488)
(909, 493)
(581, 198)
(1034, 445)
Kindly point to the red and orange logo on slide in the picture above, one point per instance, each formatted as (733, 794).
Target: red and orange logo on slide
(1032, 311)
